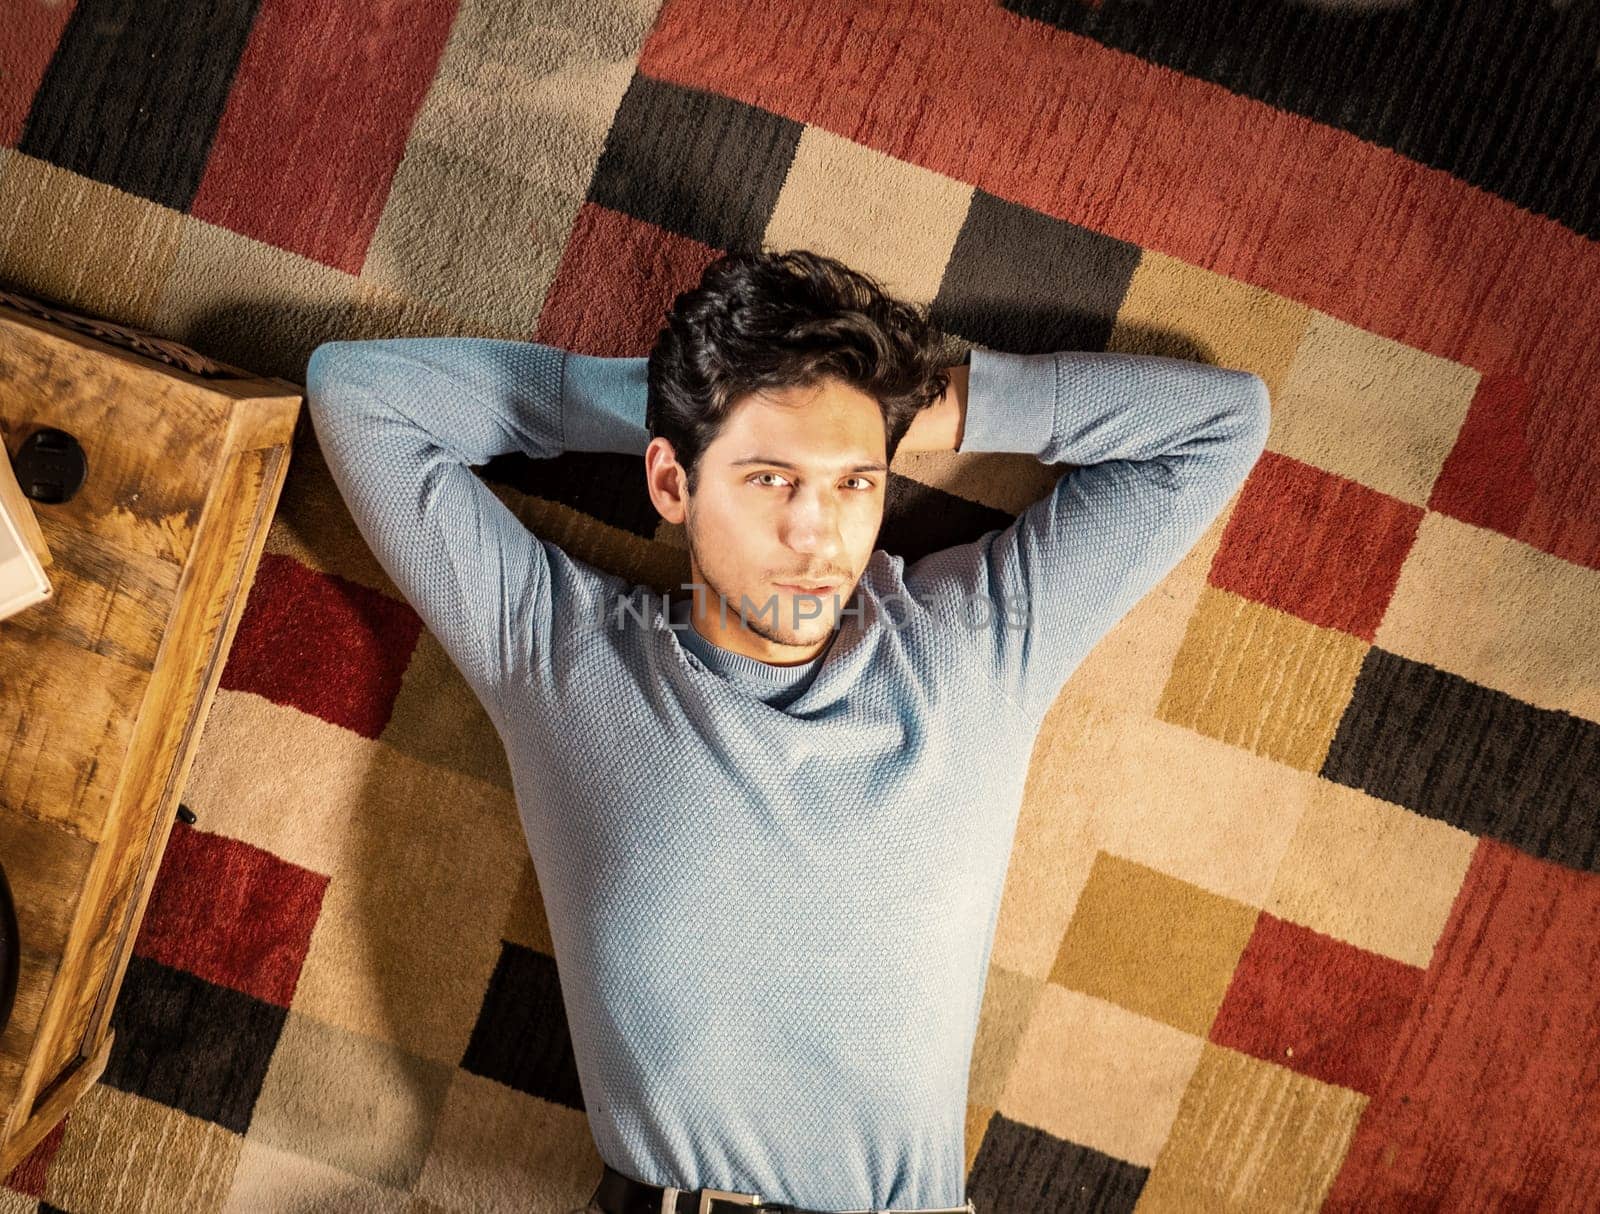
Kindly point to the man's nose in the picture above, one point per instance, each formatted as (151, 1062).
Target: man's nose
(812, 525)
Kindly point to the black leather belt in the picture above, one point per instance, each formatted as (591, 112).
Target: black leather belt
(620, 1193)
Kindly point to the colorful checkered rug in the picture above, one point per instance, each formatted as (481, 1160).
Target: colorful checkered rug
(1304, 908)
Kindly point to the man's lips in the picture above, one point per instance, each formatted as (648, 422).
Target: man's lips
(799, 589)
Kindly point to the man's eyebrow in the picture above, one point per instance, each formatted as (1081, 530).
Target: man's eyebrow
(783, 463)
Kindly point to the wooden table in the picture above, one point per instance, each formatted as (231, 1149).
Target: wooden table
(104, 688)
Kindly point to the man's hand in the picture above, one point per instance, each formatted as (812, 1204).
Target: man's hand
(939, 426)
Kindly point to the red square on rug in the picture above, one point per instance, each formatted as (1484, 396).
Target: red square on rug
(1321, 547)
(231, 913)
(323, 644)
(317, 121)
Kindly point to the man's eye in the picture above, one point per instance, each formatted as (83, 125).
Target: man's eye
(866, 483)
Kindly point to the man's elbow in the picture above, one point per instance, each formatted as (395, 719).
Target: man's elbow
(345, 371)
(321, 367)
(1255, 412)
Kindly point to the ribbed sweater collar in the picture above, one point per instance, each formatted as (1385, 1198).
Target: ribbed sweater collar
(761, 677)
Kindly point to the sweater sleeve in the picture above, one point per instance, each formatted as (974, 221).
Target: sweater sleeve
(401, 422)
(1160, 445)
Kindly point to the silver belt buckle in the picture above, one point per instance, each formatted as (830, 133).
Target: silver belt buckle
(707, 1196)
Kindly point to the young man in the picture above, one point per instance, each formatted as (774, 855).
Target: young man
(771, 827)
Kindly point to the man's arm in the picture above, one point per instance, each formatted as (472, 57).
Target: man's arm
(1160, 446)
(402, 420)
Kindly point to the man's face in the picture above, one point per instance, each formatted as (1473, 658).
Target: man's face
(790, 490)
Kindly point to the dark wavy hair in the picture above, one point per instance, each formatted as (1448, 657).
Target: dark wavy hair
(760, 319)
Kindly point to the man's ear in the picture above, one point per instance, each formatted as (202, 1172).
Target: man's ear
(666, 481)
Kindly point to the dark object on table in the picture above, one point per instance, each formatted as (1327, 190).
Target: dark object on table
(50, 465)
(10, 950)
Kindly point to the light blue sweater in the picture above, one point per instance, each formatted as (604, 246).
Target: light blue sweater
(772, 890)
